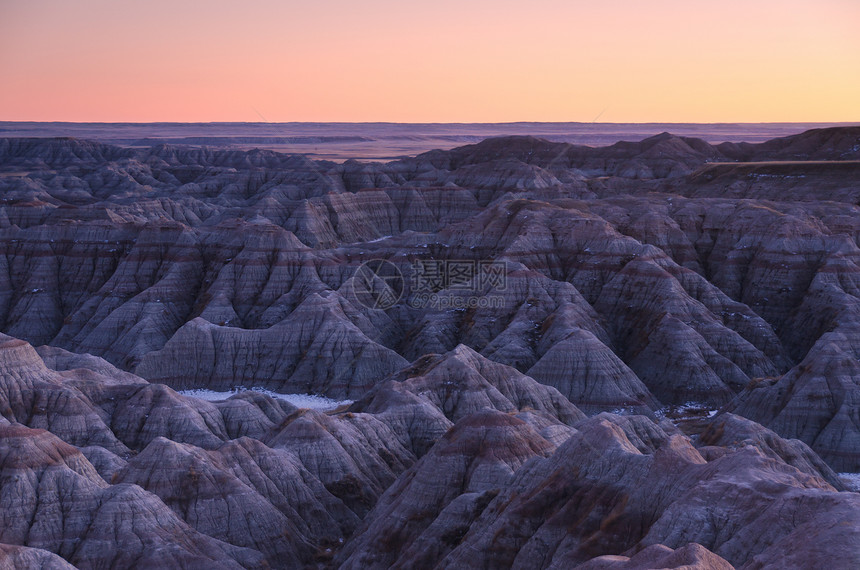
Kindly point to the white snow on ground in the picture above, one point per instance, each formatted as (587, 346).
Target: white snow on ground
(686, 411)
(299, 400)
(379, 239)
(851, 480)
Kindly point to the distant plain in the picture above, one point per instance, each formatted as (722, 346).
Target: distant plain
(386, 141)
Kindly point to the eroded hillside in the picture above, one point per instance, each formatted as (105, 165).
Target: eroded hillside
(553, 307)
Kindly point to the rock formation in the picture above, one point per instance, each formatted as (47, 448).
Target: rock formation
(546, 307)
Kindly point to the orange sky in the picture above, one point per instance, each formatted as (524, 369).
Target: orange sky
(440, 61)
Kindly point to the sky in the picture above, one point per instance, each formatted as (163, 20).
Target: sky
(430, 61)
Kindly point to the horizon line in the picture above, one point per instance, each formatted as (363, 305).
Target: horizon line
(3, 121)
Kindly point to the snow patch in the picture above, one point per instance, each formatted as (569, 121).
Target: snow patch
(851, 480)
(686, 411)
(379, 239)
(310, 401)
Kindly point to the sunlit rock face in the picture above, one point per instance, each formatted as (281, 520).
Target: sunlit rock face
(634, 356)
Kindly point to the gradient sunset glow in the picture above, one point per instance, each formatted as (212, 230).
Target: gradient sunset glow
(441, 61)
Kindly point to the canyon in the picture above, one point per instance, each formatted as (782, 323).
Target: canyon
(540, 355)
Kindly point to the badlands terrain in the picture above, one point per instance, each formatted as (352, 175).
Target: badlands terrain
(536, 355)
